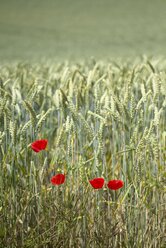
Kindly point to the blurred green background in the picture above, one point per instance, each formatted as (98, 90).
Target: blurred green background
(70, 29)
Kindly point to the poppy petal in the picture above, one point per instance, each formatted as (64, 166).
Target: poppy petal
(58, 179)
(97, 183)
(115, 184)
(39, 145)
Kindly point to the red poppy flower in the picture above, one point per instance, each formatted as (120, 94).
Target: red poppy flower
(39, 145)
(115, 184)
(58, 179)
(97, 183)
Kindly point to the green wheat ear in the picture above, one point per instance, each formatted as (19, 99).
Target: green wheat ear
(13, 132)
(42, 119)
(31, 112)
(60, 135)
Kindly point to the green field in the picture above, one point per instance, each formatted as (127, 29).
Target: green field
(79, 29)
(90, 77)
(101, 120)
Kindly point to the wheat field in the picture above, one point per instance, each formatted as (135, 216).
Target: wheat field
(102, 119)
